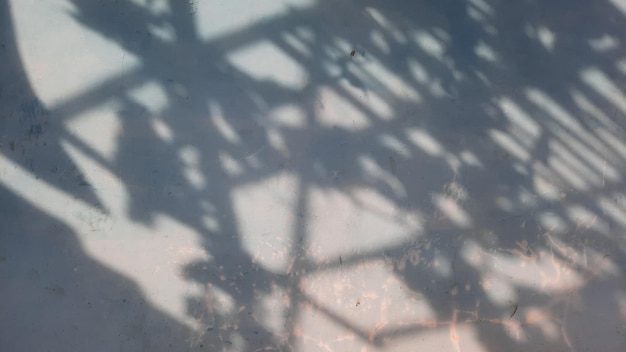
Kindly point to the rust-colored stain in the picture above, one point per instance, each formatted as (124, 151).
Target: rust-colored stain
(536, 316)
(372, 335)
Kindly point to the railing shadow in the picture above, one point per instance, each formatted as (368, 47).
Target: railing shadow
(489, 133)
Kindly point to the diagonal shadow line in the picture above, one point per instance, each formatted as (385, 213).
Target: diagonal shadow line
(127, 80)
(364, 335)
(108, 89)
(109, 86)
(223, 44)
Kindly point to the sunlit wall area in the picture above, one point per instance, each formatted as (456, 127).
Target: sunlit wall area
(312, 175)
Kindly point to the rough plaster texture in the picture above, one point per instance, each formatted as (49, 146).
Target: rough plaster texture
(312, 175)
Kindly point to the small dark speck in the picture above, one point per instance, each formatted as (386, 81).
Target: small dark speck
(514, 310)
(56, 290)
(80, 179)
(201, 346)
(392, 164)
(35, 129)
(12, 146)
(2, 258)
(352, 53)
(124, 300)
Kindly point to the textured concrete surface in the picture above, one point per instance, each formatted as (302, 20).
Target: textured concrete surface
(312, 175)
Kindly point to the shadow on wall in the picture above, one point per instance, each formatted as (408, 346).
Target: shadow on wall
(54, 296)
(54, 293)
(492, 130)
